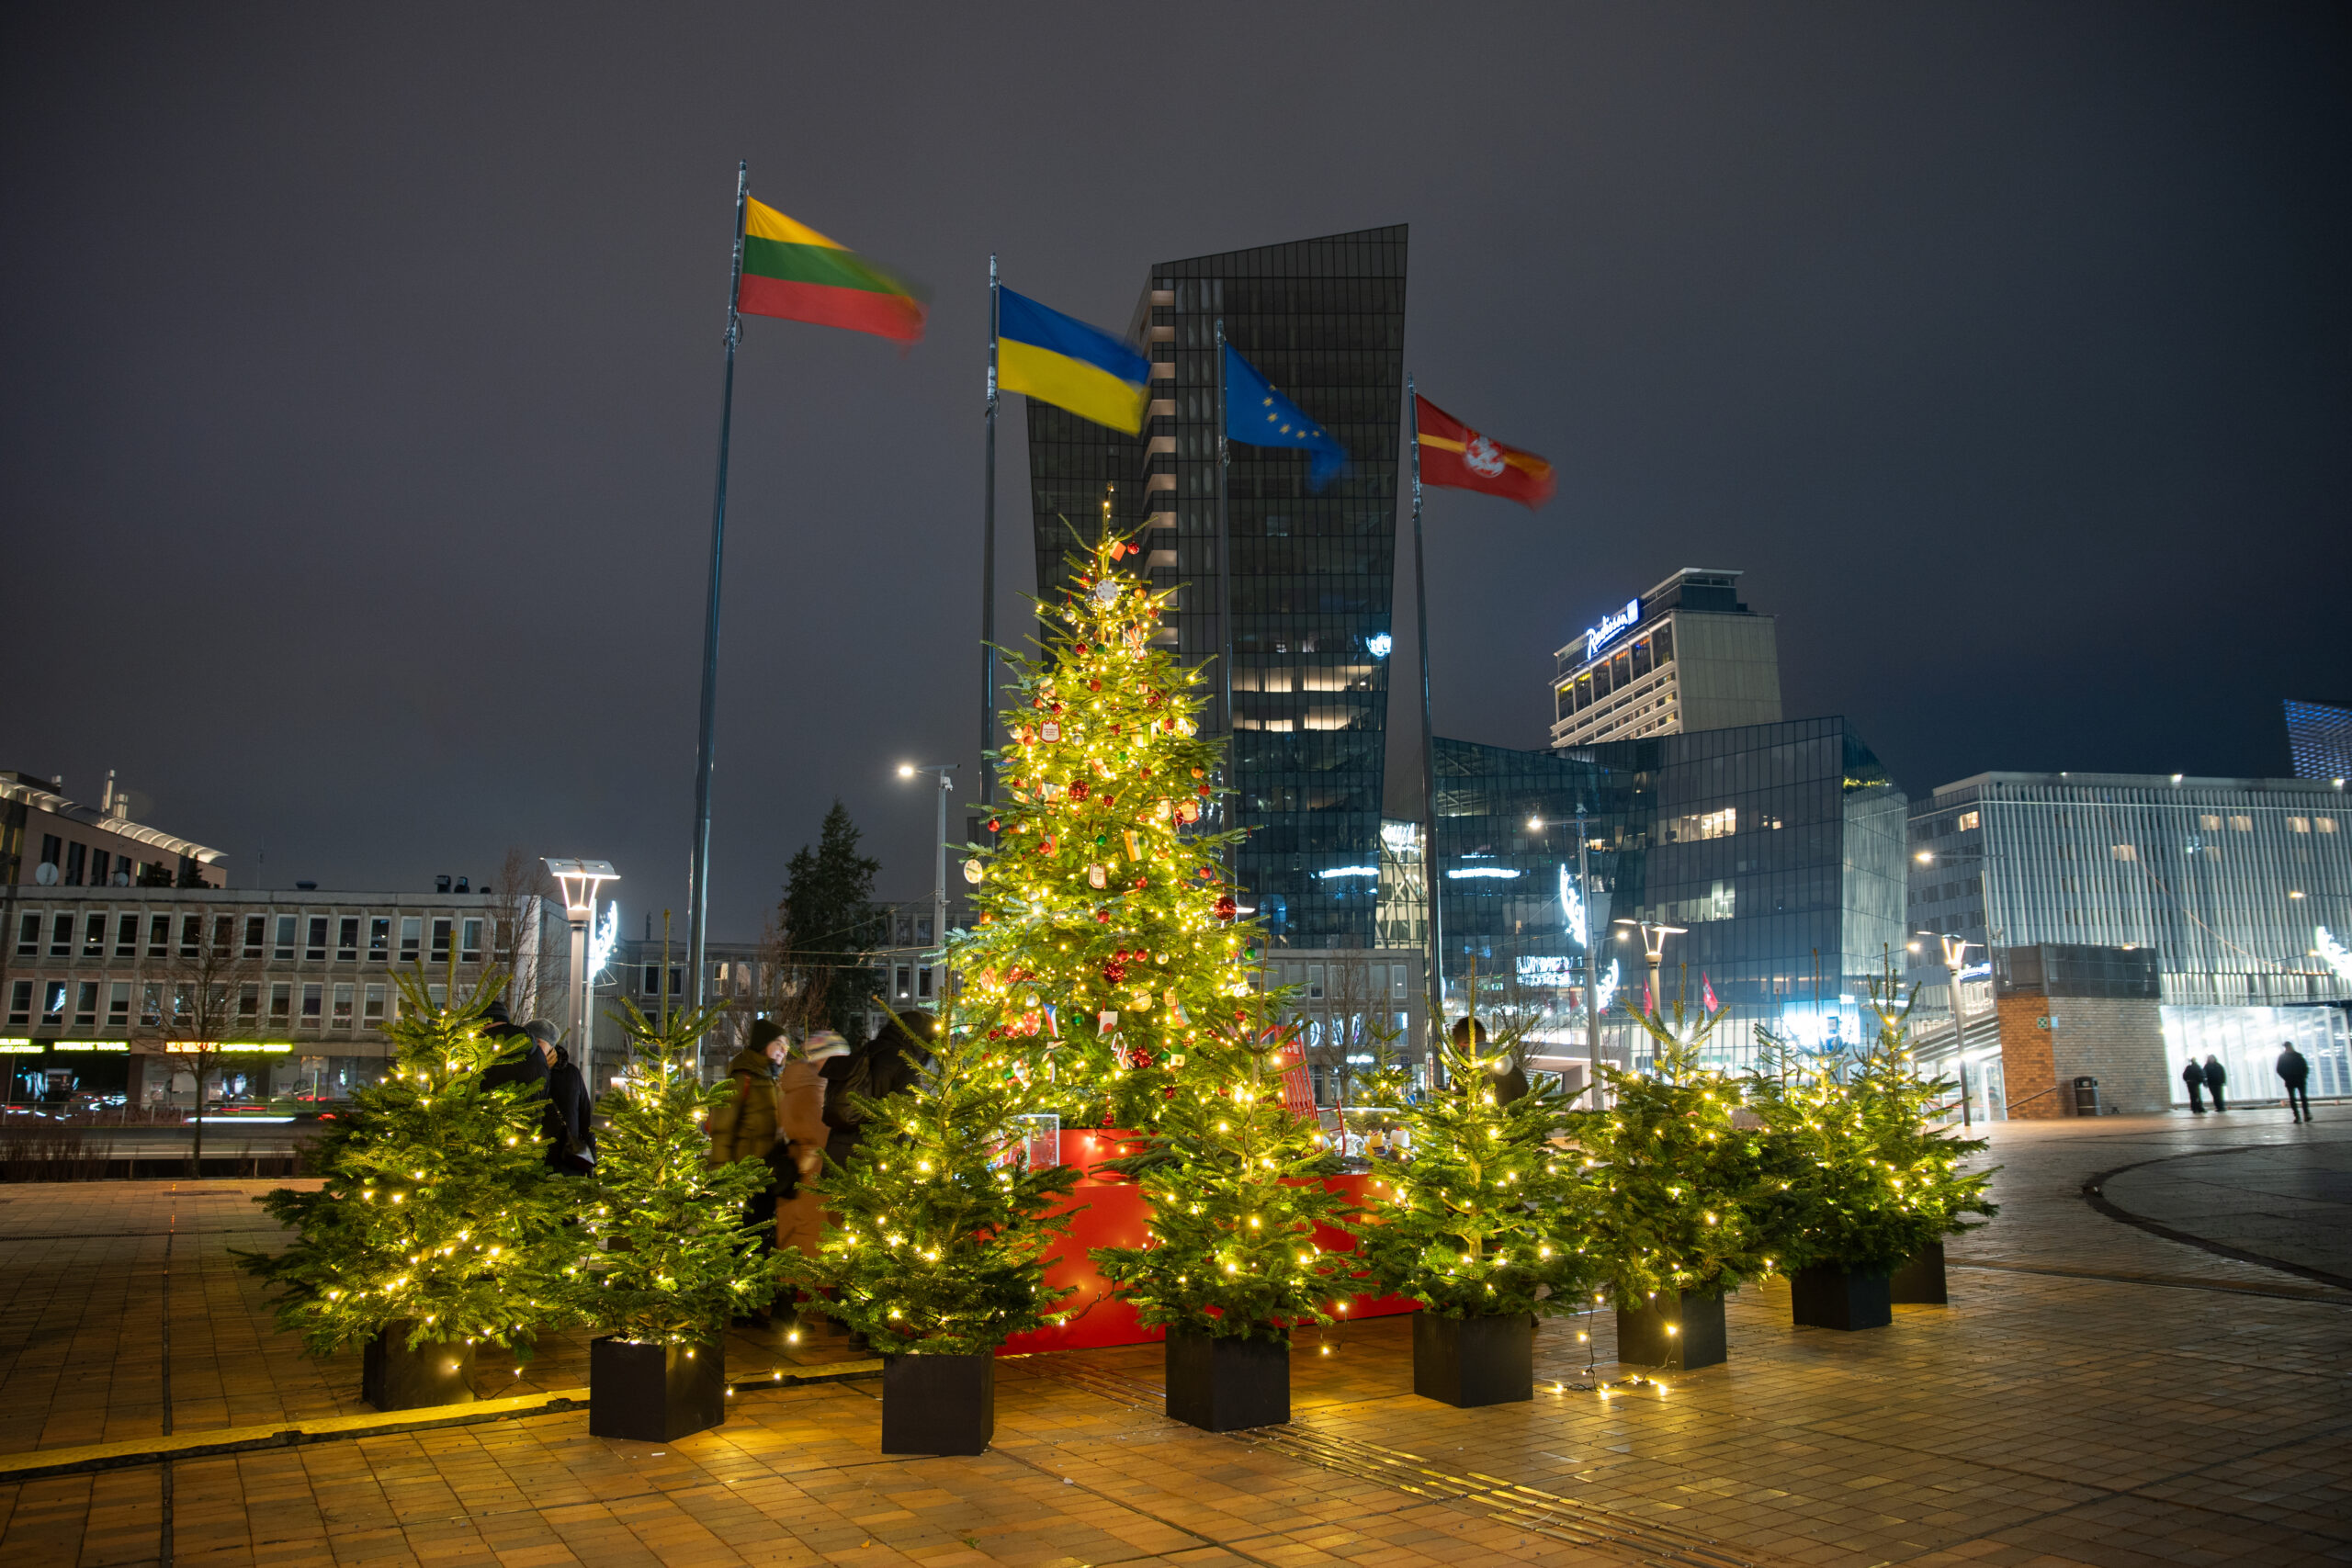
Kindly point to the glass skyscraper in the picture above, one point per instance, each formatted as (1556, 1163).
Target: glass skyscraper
(1778, 848)
(1311, 574)
(2319, 737)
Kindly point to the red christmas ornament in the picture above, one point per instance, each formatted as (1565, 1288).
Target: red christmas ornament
(1115, 972)
(1138, 882)
(1077, 789)
(994, 825)
(1206, 873)
(1225, 910)
(1083, 649)
(1094, 686)
(1201, 790)
(1103, 916)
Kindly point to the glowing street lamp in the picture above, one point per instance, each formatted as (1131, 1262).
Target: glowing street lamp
(1654, 949)
(580, 880)
(946, 773)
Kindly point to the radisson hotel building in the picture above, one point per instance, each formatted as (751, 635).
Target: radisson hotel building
(1686, 655)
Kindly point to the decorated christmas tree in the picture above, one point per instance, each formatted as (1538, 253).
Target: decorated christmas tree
(1490, 1215)
(1238, 1188)
(438, 1218)
(682, 1262)
(1855, 1178)
(1676, 1177)
(939, 1225)
(1107, 943)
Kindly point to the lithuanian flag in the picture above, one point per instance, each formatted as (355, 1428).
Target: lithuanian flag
(790, 270)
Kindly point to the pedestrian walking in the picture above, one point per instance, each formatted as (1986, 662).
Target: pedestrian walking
(527, 1064)
(570, 1117)
(2194, 1077)
(2295, 1071)
(881, 1067)
(2216, 1077)
(744, 1126)
(800, 1148)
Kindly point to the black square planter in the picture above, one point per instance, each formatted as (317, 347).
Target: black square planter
(1474, 1360)
(1920, 1283)
(1838, 1298)
(655, 1393)
(1225, 1386)
(1675, 1334)
(394, 1377)
(938, 1404)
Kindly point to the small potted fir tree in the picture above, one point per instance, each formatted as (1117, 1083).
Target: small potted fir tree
(1856, 1185)
(1237, 1186)
(438, 1225)
(682, 1261)
(1484, 1226)
(1674, 1176)
(936, 1246)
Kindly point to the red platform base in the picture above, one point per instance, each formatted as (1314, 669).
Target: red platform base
(1113, 1214)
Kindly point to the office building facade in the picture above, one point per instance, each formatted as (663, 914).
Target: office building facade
(49, 840)
(1686, 656)
(2319, 738)
(2242, 886)
(1778, 848)
(1310, 574)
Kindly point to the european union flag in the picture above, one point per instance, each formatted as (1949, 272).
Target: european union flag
(1256, 413)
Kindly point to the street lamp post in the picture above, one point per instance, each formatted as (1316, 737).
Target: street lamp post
(1955, 954)
(580, 879)
(1653, 952)
(1591, 961)
(947, 775)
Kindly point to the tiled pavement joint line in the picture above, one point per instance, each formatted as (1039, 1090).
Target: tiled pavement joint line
(1524, 1507)
(40, 1463)
(163, 1537)
(2165, 1281)
(2094, 1194)
(2165, 1490)
(1128, 1506)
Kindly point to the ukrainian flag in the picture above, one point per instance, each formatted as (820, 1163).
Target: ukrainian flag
(1064, 362)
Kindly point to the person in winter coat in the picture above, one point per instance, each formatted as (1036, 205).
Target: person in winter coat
(2295, 1071)
(885, 1065)
(800, 1123)
(745, 1126)
(2216, 1076)
(2194, 1077)
(571, 1127)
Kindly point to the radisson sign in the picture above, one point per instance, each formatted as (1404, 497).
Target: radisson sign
(1597, 637)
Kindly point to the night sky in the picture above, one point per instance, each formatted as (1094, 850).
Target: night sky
(359, 375)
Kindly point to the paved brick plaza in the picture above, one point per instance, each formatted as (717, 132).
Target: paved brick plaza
(2095, 1393)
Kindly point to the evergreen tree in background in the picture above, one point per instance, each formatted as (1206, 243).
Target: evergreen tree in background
(1236, 1185)
(1107, 941)
(829, 924)
(1490, 1215)
(685, 1263)
(438, 1213)
(1676, 1177)
(1854, 1177)
(940, 1226)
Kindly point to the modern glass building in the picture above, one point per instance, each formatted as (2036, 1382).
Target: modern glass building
(1778, 848)
(2243, 887)
(1311, 574)
(2319, 737)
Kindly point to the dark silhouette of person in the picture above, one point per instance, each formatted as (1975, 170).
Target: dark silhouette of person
(2295, 1071)
(2216, 1077)
(569, 1120)
(2194, 1077)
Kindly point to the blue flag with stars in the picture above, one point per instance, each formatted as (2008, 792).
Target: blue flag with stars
(1256, 413)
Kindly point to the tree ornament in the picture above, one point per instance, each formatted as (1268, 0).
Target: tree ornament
(972, 871)
(1225, 907)
(1096, 876)
(1050, 730)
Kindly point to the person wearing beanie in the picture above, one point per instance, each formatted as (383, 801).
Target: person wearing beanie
(744, 1127)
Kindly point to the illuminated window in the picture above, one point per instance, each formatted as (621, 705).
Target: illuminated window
(2210, 822)
(2126, 852)
(2324, 824)
(1703, 825)
(2298, 824)
(2242, 824)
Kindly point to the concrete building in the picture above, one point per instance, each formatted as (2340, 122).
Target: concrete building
(49, 839)
(2233, 896)
(93, 980)
(1686, 655)
(1350, 1006)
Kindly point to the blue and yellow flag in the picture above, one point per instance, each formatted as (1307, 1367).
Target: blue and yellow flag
(1259, 415)
(1064, 362)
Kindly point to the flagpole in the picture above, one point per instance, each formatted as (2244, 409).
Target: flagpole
(1225, 586)
(987, 569)
(1429, 873)
(698, 892)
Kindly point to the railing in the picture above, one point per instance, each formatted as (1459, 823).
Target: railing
(2009, 1107)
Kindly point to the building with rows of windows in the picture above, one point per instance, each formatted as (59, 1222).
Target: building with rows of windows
(97, 980)
(1686, 655)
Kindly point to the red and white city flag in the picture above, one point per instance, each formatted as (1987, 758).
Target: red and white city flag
(1458, 457)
